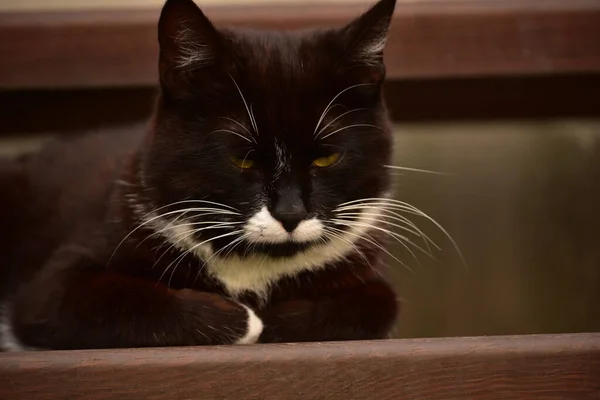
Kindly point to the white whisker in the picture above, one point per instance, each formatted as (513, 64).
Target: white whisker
(329, 232)
(234, 133)
(176, 203)
(425, 171)
(235, 242)
(238, 124)
(187, 236)
(401, 205)
(349, 127)
(178, 260)
(338, 117)
(398, 217)
(248, 110)
(253, 120)
(405, 239)
(171, 225)
(159, 216)
(328, 108)
(245, 157)
(369, 240)
(358, 214)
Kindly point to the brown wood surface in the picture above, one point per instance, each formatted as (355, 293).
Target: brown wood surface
(429, 39)
(536, 367)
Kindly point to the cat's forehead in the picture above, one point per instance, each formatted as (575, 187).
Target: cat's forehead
(296, 57)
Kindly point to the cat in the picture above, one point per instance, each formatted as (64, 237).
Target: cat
(246, 211)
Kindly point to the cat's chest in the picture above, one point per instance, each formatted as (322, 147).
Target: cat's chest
(257, 275)
(281, 280)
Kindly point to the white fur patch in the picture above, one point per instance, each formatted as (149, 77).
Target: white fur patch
(8, 339)
(255, 328)
(256, 273)
(263, 228)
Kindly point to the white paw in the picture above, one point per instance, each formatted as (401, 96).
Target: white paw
(255, 328)
(8, 339)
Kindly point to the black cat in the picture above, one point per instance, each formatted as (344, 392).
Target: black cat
(247, 211)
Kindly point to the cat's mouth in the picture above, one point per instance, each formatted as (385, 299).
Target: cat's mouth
(275, 250)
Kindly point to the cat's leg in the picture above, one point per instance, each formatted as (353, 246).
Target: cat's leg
(367, 311)
(77, 306)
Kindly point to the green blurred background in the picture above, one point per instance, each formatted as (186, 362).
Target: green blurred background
(523, 205)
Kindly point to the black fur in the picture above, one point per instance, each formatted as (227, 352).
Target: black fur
(69, 207)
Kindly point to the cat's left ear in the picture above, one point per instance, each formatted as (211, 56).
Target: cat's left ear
(365, 39)
(190, 46)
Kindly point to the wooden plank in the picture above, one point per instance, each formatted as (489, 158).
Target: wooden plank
(540, 367)
(429, 39)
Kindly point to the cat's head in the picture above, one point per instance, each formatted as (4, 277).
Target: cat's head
(262, 136)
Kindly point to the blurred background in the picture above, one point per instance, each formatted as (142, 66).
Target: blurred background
(501, 96)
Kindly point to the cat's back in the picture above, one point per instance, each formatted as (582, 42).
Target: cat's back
(76, 172)
(61, 189)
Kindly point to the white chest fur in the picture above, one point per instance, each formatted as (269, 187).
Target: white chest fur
(257, 273)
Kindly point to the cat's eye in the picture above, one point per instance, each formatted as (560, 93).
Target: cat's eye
(243, 163)
(327, 161)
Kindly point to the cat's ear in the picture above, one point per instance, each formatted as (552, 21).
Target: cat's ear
(365, 39)
(189, 43)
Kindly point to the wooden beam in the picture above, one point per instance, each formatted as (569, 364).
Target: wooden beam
(429, 39)
(486, 368)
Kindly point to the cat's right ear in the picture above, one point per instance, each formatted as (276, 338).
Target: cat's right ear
(189, 43)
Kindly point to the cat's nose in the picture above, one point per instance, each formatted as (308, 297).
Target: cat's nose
(289, 219)
(288, 207)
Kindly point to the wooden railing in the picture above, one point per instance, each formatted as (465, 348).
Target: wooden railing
(538, 367)
(428, 39)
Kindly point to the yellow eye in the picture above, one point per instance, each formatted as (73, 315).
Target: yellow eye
(243, 163)
(327, 161)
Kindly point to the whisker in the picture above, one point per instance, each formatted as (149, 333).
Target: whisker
(329, 231)
(250, 114)
(425, 171)
(334, 99)
(403, 238)
(338, 117)
(156, 217)
(178, 260)
(350, 126)
(245, 157)
(398, 217)
(235, 242)
(234, 133)
(367, 214)
(399, 238)
(239, 124)
(186, 236)
(253, 120)
(371, 241)
(172, 225)
(205, 263)
(214, 203)
(397, 204)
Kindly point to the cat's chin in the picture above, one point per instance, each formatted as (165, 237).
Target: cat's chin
(276, 250)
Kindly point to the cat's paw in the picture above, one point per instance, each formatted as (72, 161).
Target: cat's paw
(254, 330)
